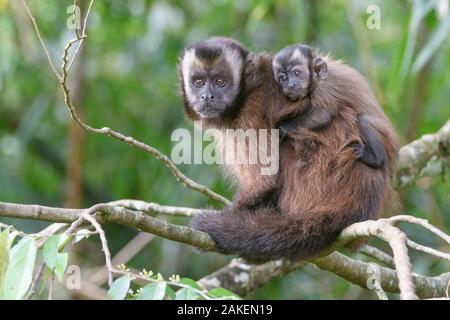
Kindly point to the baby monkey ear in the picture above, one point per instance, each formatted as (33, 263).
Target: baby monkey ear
(320, 68)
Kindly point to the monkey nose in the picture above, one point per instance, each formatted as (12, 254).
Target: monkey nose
(204, 97)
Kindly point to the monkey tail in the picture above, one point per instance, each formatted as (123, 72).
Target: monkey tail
(265, 234)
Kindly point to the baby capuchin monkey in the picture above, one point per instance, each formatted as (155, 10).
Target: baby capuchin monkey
(298, 72)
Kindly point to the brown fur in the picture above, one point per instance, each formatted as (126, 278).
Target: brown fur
(321, 187)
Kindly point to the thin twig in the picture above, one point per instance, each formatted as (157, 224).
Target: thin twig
(36, 278)
(76, 224)
(74, 12)
(50, 287)
(104, 242)
(82, 36)
(130, 250)
(11, 228)
(41, 40)
(428, 250)
(87, 215)
(181, 177)
(378, 255)
(422, 222)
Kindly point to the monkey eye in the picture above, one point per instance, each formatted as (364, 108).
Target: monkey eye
(297, 73)
(220, 82)
(283, 77)
(199, 82)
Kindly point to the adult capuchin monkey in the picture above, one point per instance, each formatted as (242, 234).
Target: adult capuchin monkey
(301, 210)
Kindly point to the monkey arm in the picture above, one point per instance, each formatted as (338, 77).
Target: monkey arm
(373, 152)
(314, 119)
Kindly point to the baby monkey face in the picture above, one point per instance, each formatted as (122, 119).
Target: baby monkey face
(294, 80)
(296, 69)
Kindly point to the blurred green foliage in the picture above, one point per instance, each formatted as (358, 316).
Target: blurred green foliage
(129, 83)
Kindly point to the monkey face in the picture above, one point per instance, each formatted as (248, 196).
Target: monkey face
(295, 70)
(211, 76)
(212, 90)
(294, 81)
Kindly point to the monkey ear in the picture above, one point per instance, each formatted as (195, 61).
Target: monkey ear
(320, 68)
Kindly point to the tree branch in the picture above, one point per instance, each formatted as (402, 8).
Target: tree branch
(378, 255)
(152, 208)
(244, 279)
(396, 239)
(352, 270)
(111, 214)
(415, 156)
(356, 272)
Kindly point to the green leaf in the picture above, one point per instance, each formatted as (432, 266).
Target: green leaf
(429, 49)
(419, 12)
(153, 291)
(50, 250)
(55, 260)
(61, 265)
(12, 236)
(187, 294)
(223, 294)
(119, 288)
(170, 293)
(19, 273)
(4, 257)
(190, 282)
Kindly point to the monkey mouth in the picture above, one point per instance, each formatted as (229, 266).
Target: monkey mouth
(295, 95)
(208, 111)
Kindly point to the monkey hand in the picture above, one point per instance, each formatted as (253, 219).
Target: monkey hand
(358, 149)
(285, 128)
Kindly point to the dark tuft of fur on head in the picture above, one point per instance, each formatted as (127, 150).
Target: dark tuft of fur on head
(208, 54)
(283, 56)
(210, 49)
